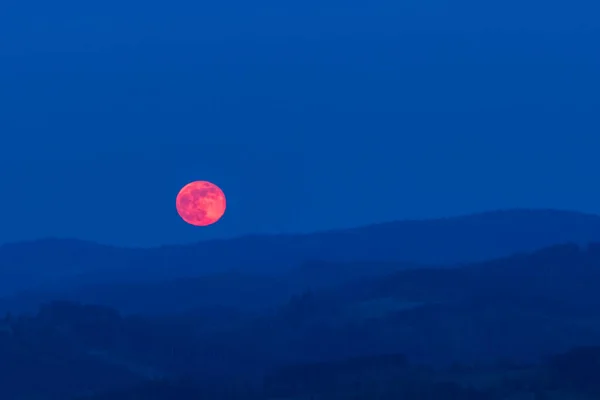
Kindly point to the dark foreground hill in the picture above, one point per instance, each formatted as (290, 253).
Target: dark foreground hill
(68, 351)
(68, 263)
(517, 309)
(390, 377)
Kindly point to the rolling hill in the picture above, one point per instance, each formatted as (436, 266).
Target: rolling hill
(274, 266)
(518, 308)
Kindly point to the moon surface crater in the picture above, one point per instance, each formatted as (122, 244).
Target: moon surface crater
(201, 203)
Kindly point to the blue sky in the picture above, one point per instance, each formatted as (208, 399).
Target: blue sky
(310, 115)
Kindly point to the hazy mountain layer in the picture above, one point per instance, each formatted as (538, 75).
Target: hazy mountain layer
(68, 263)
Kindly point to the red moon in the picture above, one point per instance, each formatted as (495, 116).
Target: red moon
(200, 203)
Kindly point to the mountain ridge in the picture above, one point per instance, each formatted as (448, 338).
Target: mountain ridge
(471, 238)
(502, 212)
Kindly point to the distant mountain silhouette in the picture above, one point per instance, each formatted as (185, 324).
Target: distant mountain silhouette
(56, 265)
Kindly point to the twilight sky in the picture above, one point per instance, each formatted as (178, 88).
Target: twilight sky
(310, 115)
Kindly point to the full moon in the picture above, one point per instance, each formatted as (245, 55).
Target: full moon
(200, 203)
